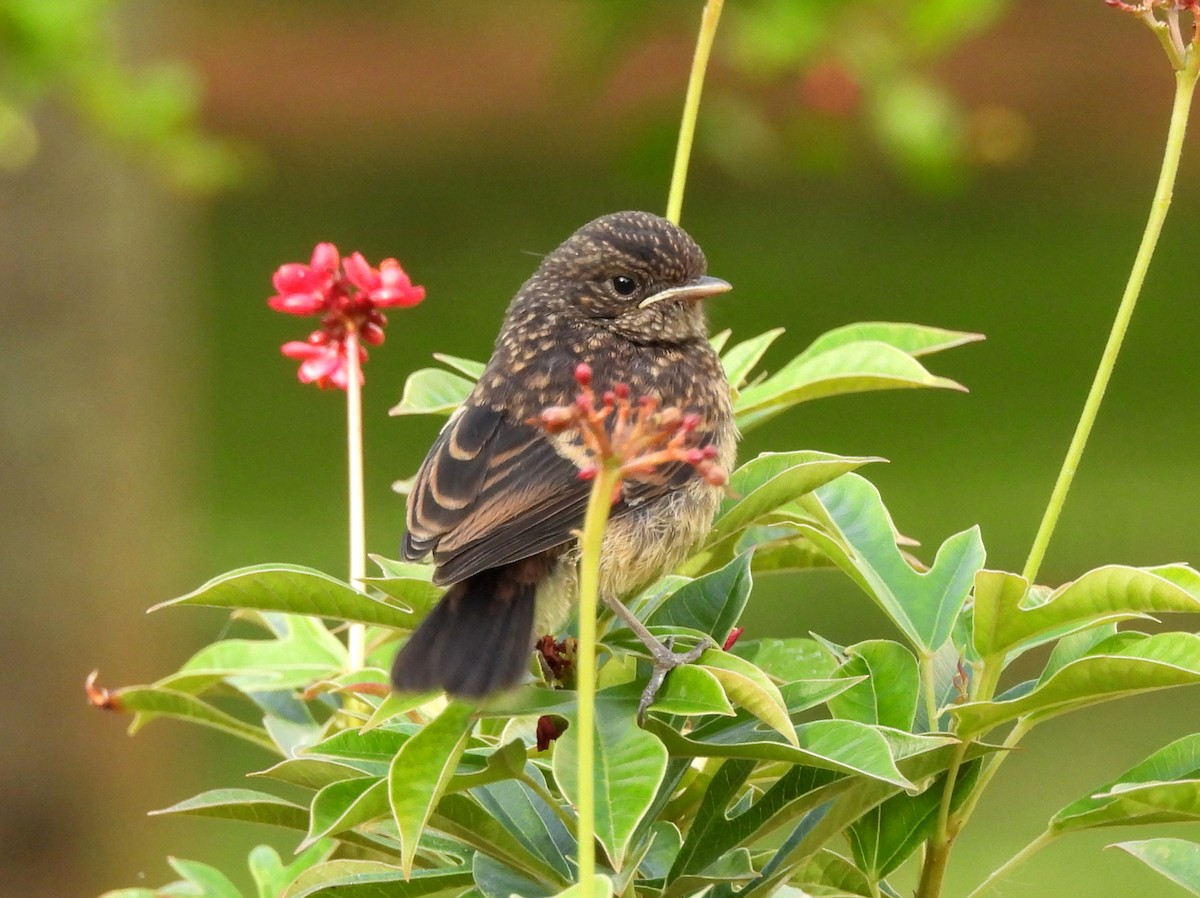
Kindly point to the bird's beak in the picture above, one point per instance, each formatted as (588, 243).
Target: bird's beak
(700, 288)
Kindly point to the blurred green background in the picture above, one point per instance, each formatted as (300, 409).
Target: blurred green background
(153, 436)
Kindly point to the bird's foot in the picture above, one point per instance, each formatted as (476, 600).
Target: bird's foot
(665, 659)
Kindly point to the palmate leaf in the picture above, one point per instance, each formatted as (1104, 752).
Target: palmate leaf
(422, 769)
(1007, 623)
(858, 535)
(1176, 859)
(1126, 664)
(295, 590)
(630, 764)
(1164, 787)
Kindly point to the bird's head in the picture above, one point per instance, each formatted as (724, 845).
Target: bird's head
(634, 273)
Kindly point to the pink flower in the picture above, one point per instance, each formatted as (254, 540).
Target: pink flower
(348, 294)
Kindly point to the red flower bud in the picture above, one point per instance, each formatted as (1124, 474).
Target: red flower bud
(583, 374)
(621, 390)
(587, 472)
(732, 638)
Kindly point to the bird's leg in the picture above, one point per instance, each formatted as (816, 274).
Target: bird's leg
(662, 655)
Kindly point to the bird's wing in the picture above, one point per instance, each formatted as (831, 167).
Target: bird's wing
(493, 490)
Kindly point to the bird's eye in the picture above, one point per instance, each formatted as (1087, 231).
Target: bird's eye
(624, 285)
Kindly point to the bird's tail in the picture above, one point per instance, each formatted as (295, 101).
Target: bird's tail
(475, 641)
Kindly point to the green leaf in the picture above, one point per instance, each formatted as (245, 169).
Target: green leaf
(750, 688)
(794, 658)
(304, 652)
(691, 690)
(416, 594)
(432, 391)
(740, 359)
(1173, 776)
(494, 879)
(1005, 622)
(602, 887)
(149, 702)
(371, 879)
(850, 368)
(208, 881)
(630, 764)
(344, 805)
(295, 590)
(272, 877)
(840, 745)
(314, 773)
(914, 339)
(710, 604)
(861, 541)
(525, 814)
(828, 873)
(764, 484)
(245, 805)
(465, 820)
(885, 837)
(471, 369)
(1125, 665)
(421, 771)
(1176, 859)
(887, 694)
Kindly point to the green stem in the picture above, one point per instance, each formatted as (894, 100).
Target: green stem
(691, 107)
(356, 639)
(1185, 83)
(590, 544)
(1015, 861)
(931, 708)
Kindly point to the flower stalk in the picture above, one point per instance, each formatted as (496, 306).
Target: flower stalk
(1186, 61)
(691, 107)
(356, 638)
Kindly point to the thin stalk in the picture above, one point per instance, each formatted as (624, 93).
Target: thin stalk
(1185, 83)
(356, 640)
(1015, 861)
(929, 692)
(691, 107)
(590, 543)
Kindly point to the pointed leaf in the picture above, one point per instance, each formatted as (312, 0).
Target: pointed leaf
(421, 770)
(471, 369)
(850, 368)
(915, 339)
(691, 690)
(209, 881)
(525, 814)
(827, 872)
(1174, 767)
(739, 360)
(149, 702)
(1176, 859)
(710, 604)
(344, 805)
(432, 391)
(750, 688)
(862, 543)
(465, 820)
(1005, 622)
(772, 480)
(887, 694)
(1133, 665)
(794, 658)
(295, 590)
(245, 805)
(272, 876)
(630, 764)
(371, 879)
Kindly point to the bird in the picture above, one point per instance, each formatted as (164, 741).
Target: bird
(498, 502)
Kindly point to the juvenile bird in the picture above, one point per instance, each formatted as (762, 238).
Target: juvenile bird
(498, 501)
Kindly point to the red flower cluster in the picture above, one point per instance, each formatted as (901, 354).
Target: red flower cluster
(348, 294)
(641, 439)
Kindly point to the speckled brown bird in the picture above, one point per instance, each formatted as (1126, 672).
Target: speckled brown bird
(498, 501)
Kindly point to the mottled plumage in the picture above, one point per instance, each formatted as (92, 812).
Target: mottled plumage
(498, 501)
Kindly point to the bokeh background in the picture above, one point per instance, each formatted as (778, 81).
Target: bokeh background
(988, 171)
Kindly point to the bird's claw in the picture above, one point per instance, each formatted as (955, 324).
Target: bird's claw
(665, 659)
